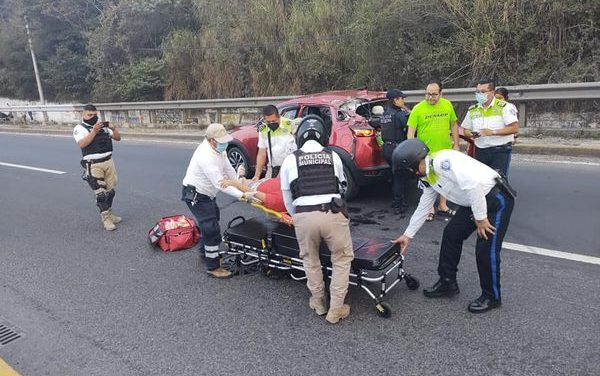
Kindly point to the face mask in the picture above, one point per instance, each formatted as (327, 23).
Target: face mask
(221, 147)
(92, 121)
(273, 126)
(481, 98)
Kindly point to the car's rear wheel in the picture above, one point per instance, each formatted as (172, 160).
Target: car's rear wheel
(351, 188)
(238, 157)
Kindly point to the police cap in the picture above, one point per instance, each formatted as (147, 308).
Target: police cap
(395, 93)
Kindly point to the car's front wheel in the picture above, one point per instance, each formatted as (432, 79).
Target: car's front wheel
(238, 157)
(351, 187)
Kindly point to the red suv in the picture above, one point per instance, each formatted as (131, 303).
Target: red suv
(351, 135)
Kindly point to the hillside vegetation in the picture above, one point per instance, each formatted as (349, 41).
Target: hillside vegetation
(135, 50)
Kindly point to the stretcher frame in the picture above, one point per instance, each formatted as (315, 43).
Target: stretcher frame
(376, 283)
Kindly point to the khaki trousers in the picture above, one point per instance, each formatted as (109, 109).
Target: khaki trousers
(334, 229)
(106, 171)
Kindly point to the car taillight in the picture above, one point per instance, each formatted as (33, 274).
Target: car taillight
(363, 132)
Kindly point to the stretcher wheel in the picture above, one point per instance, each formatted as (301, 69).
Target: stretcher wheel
(384, 310)
(411, 282)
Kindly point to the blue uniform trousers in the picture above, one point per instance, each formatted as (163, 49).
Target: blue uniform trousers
(207, 215)
(461, 226)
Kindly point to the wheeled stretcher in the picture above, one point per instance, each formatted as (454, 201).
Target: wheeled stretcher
(376, 268)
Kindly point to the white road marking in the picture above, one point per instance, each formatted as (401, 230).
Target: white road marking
(155, 141)
(551, 253)
(124, 140)
(32, 168)
(506, 245)
(533, 160)
(36, 134)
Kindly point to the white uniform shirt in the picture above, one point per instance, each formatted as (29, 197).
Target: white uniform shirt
(494, 117)
(79, 133)
(289, 173)
(282, 143)
(458, 177)
(207, 169)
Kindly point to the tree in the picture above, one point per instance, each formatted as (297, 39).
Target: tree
(128, 31)
(66, 76)
(16, 70)
(142, 81)
(114, 50)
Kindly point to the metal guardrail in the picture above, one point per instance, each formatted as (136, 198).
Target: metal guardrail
(518, 94)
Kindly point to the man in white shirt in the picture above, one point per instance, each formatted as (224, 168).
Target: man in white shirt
(95, 140)
(485, 204)
(492, 123)
(275, 142)
(208, 168)
(311, 181)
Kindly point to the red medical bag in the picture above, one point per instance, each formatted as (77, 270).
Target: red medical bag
(174, 233)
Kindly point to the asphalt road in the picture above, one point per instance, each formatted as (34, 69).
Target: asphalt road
(97, 303)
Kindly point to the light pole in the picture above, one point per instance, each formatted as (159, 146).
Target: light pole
(37, 73)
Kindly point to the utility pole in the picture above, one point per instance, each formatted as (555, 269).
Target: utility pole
(37, 73)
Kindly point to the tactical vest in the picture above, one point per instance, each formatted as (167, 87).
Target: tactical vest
(102, 143)
(391, 131)
(316, 174)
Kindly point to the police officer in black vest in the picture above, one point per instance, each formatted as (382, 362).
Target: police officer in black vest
(311, 182)
(393, 131)
(95, 140)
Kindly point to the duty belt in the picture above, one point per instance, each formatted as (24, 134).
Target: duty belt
(503, 146)
(192, 196)
(310, 208)
(100, 160)
(502, 186)
(198, 195)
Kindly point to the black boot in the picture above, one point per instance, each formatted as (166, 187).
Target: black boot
(443, 287)
(400, 207)
(484, 304)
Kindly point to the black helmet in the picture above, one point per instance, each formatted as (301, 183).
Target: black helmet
(312, 127)
(408, 154)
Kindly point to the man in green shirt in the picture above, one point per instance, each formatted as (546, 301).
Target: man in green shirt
(433, 120)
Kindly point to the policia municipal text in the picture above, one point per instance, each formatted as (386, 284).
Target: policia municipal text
(95, 140)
